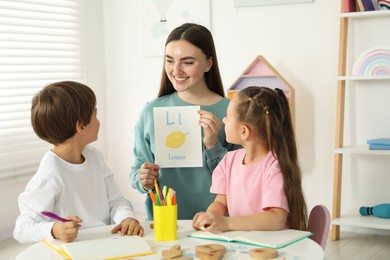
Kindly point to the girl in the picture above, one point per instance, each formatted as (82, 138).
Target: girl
(258, 187)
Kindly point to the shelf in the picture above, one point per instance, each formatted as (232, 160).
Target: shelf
(360, 149)
(368, 78)
(366, 72)
(367, 14)
(356, 220)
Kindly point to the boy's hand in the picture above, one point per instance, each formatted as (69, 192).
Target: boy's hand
(129, 226)
(66, 231)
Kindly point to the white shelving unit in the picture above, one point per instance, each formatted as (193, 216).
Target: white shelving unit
(345, 79)
(351, 219)
(360, 149)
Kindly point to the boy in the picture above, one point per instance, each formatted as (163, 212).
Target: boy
(72, 179)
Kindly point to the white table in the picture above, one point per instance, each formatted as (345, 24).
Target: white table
(304, 249)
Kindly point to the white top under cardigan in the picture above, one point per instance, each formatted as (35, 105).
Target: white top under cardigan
(86, 190)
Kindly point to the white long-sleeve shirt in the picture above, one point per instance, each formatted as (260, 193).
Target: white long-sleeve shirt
(86, 190)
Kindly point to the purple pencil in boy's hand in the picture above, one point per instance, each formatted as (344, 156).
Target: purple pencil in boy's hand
(54, 216)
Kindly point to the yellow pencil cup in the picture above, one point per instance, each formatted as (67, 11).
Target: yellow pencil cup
(165, 222)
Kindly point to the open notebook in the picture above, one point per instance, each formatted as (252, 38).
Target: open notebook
(269, 239)
(110, 247)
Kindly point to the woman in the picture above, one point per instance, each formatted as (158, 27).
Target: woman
(190, 77)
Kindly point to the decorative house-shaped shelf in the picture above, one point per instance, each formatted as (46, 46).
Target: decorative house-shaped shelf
(261, 73)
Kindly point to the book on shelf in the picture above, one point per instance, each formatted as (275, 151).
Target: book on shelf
(360, 5)
(269, 239)
(379, 141)
(368, 6)
(378, 147)
(111, 247)
(376, 5)
(349, 6)
(379, 144)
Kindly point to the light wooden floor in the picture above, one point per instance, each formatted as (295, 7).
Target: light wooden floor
(358, 246)
(350, 246)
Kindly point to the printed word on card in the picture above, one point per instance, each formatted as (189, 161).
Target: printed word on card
(178, 136)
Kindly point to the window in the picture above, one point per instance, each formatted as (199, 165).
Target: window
(40, 43)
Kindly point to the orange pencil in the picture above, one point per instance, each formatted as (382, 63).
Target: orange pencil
(151, 194)
(173, 198)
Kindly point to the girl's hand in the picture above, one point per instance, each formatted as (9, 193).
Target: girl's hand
(211, 126)
(129, 226)
(197, 218)
(147, 173)
(208, 221)
(66, 231)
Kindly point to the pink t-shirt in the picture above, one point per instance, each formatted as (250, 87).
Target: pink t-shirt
(249, 189)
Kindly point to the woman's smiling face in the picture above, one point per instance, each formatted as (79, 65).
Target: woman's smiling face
(185, 65)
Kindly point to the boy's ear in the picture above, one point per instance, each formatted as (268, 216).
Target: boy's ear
(79, 127)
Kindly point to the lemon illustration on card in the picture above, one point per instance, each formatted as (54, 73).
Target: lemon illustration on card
(175, 139)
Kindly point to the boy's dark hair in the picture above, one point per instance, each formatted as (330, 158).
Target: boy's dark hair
(200, 37)
(57, 108)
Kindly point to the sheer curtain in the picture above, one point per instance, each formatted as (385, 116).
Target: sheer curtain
(40, 43)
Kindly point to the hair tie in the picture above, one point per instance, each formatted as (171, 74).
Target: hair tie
(250, 99)
(266, 109)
